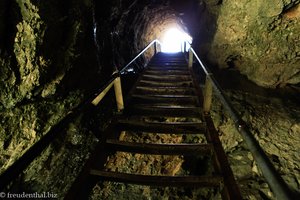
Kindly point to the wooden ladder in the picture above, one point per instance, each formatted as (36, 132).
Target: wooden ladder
(167, 89)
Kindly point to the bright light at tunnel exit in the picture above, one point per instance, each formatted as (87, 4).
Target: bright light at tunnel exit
(173, 41)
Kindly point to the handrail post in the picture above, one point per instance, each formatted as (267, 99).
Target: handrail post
(118, 94)
(190, 58)
(208, 89)
(158, 47)
(184, 47)
(181, 47)
(100, 96)
(155, 47)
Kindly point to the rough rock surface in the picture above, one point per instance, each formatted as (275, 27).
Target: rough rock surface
(275, 124)
(29, 36)
(55, 53)
(58, 166)
(41, 50)
(259, 39)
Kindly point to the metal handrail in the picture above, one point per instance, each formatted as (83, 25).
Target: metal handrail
(115, 80)
(275, 181)
(143, 51)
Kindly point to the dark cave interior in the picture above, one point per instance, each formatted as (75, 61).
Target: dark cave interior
(56, 54)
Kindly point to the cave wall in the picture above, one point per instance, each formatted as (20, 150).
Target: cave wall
(259, 39)
(54, 53)
(274, 122)
(44, 45)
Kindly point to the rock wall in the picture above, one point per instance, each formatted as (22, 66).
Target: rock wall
(274, 121)
(55, 53)
(44, 45)
(258, 39)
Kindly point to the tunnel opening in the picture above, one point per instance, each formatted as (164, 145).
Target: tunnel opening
(175, 40)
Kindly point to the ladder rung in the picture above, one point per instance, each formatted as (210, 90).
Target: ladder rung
(167, 107)
(159, 104)
(169, 60)
(163, 76)
(163, 127)
(164, 87)
(188, 100)
(159, 101)
(170, 111)
(164, 91)
(160, 149)
(167, 72)
(162, 83)
(166, 79)
(177, 181)
(166, 96)
(167, 68)
(169, 63)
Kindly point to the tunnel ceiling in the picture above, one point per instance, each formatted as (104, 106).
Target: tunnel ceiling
(138, 22)
(46, 42)
(257, 39)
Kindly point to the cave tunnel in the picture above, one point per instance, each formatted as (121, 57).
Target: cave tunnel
(56, 56)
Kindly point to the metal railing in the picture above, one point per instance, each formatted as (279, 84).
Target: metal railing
(115, 79)
(273, 178)
(154, 42)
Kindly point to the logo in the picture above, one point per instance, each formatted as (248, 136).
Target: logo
(2, 195)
